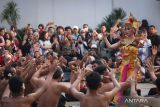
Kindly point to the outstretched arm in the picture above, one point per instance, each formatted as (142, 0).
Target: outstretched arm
(110, 95)
(35, 80)
(34, 96)
(27, 70)
(110, 86)
(73, 89)
(151, 70)
(112, 46)
(46, 69)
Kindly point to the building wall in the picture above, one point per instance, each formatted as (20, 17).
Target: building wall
(78, 12)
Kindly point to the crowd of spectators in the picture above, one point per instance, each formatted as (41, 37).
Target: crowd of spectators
(73, 47)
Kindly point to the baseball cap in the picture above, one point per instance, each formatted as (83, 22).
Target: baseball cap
(75, 27)
(93, 46)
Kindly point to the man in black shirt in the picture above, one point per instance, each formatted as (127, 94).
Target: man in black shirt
(153, 36)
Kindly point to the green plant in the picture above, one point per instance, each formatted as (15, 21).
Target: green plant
(10, 13)
(20, 33)
(110, 20)
(90, 30)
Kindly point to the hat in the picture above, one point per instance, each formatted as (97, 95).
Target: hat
(92, 58)
(93, 46)
(75, 27)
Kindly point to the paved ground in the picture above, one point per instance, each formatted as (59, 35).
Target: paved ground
(143, 86)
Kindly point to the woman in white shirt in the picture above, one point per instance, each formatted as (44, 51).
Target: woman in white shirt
(44, 41)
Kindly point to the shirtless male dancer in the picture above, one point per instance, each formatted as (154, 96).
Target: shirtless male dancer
(16, 90)
(107, 84)
(54, 88)
(93, 98)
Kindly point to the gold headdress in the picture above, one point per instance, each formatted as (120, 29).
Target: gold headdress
(132, 23)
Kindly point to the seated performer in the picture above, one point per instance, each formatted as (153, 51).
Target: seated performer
(93, 98)
(16, 89)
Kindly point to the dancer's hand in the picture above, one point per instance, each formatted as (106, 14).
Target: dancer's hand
(112, 74)
(150, 66)
(81, 73)
(53, 65)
